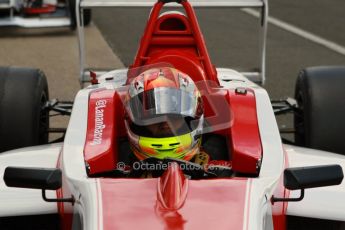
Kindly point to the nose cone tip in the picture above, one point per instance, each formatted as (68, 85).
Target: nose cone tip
(172, 188)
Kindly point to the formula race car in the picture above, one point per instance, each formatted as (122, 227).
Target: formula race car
(83, 180)
(41, 13)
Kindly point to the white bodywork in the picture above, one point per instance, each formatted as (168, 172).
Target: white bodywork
(19, 3)
(35, 22)
(16, 201)
(324, 203)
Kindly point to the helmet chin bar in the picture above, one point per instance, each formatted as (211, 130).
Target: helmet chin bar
(183, 146)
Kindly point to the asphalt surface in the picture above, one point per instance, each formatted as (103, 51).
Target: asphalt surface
(55, 51)
(324, 18)
(232, 37)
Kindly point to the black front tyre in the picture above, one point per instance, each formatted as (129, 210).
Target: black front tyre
(23, 119)
(320, 120)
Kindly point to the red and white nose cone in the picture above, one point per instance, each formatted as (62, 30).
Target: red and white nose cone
(172, 188)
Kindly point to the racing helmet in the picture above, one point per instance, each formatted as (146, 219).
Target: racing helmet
(164, 115)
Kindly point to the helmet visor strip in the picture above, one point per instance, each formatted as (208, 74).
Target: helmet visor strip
(148, 107)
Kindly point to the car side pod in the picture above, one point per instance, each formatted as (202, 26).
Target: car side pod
(36, 178)
(310, 177)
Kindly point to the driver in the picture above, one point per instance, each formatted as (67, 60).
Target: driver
(165, 117)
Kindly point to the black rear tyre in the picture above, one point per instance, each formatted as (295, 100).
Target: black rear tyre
(23, 121)
(320, 119)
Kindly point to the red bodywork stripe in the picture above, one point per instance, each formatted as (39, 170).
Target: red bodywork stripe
(248, 204)
(99, 148)
(45, 9)
(246, 143)
(279, 209)
(65, 209)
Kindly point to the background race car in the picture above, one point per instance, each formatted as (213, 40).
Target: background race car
(40, 13)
